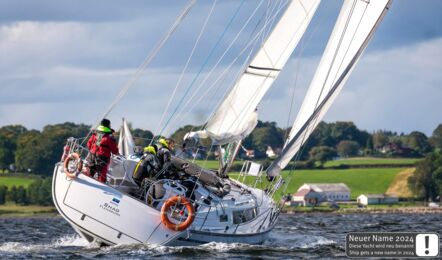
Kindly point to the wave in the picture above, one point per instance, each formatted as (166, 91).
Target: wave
(71, 240)
(64, 241)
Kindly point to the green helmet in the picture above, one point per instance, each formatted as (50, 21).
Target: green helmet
(163, 142)
(104, 129)
(150, 149)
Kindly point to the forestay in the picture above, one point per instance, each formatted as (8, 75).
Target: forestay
(237, 117)
(355, 26)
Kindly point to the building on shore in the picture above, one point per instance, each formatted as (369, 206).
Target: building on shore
(310, 194)
(372, 199)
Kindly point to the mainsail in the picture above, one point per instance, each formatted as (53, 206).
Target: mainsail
(236, 117)
(354, 28)
(126, 142)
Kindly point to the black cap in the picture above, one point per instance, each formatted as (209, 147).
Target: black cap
(105, 122)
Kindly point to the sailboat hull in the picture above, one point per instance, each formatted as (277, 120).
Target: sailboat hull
(103, 214)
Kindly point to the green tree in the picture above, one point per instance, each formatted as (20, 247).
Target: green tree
(322, 154)
(7, 148)
(8, 143)
(142, 137)
(436, 137)
(39, 192)
(40, 151)
(3, 192)
(21, 197)
(29, 152)
(425, 181)
(11, 195)
(348, 131)
(418, 141)
(265, 134)
(380, 138)
(348, 148)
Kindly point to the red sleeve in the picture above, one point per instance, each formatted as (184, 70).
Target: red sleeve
(91, 141)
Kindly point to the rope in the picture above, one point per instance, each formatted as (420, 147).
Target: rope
(319, 97)
(203, 66)
(221, 80)
(187, 63)
(250, 43)
(147, 60)
(217, 63)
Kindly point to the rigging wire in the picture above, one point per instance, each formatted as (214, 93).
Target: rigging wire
(202, 67)
(187, 63)
(322, 88)
(250, 43)
(184, 107)
(147, 60)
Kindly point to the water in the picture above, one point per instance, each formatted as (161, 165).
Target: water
(295, 236)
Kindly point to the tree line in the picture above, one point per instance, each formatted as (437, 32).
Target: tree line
(34, 151)
(24, 150)
(37, 193)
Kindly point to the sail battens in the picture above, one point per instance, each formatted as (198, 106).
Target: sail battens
(265, 75)
(262, 68)
(354, 28)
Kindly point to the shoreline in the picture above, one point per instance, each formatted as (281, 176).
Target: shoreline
(13, 211)
(48, 211)
(405, 210)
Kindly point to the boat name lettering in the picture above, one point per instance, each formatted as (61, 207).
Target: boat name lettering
(110, 208)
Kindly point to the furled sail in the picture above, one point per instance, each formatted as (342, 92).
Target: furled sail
(237, 117)
(126, 142)
(355, 26)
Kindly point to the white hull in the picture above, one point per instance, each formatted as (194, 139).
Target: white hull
(105, 215)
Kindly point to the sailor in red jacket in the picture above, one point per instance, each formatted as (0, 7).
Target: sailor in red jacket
(101, 145)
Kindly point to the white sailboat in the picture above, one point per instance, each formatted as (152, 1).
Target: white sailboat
(208, 206)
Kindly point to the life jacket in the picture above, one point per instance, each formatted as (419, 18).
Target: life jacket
(146, 167)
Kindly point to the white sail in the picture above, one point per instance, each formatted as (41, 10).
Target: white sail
(355, 25)
(126, 142)
(236, 117)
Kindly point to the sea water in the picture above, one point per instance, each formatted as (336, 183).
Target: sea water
(317, 235)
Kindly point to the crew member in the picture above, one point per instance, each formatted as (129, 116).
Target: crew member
(101, 145)
(164, 155)
(148, 165)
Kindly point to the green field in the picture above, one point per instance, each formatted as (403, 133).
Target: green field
(371, 161)
(16, 181)
(370, 180)
(209, 164)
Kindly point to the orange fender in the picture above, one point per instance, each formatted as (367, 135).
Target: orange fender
(70, 157)
(175, 201)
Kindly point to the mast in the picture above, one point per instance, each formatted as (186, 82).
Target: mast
(356, 24)
(236, 117)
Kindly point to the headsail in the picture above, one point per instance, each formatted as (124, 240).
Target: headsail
(355, 26)
(126, 142)
(237, 117)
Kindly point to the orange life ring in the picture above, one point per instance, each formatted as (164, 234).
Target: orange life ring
(175, 201)
(76, 157)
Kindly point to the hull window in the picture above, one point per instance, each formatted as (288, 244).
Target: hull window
(242, 216)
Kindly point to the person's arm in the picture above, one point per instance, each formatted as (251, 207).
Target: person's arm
(91, 141)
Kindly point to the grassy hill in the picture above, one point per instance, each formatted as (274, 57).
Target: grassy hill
(370, 180)
(16, 180)
(399, 185)
(371, 161)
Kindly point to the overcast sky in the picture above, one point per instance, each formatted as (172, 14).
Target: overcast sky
(67, 60)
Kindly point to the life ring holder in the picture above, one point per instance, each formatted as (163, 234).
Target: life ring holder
(175, 201)
(78, 168)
